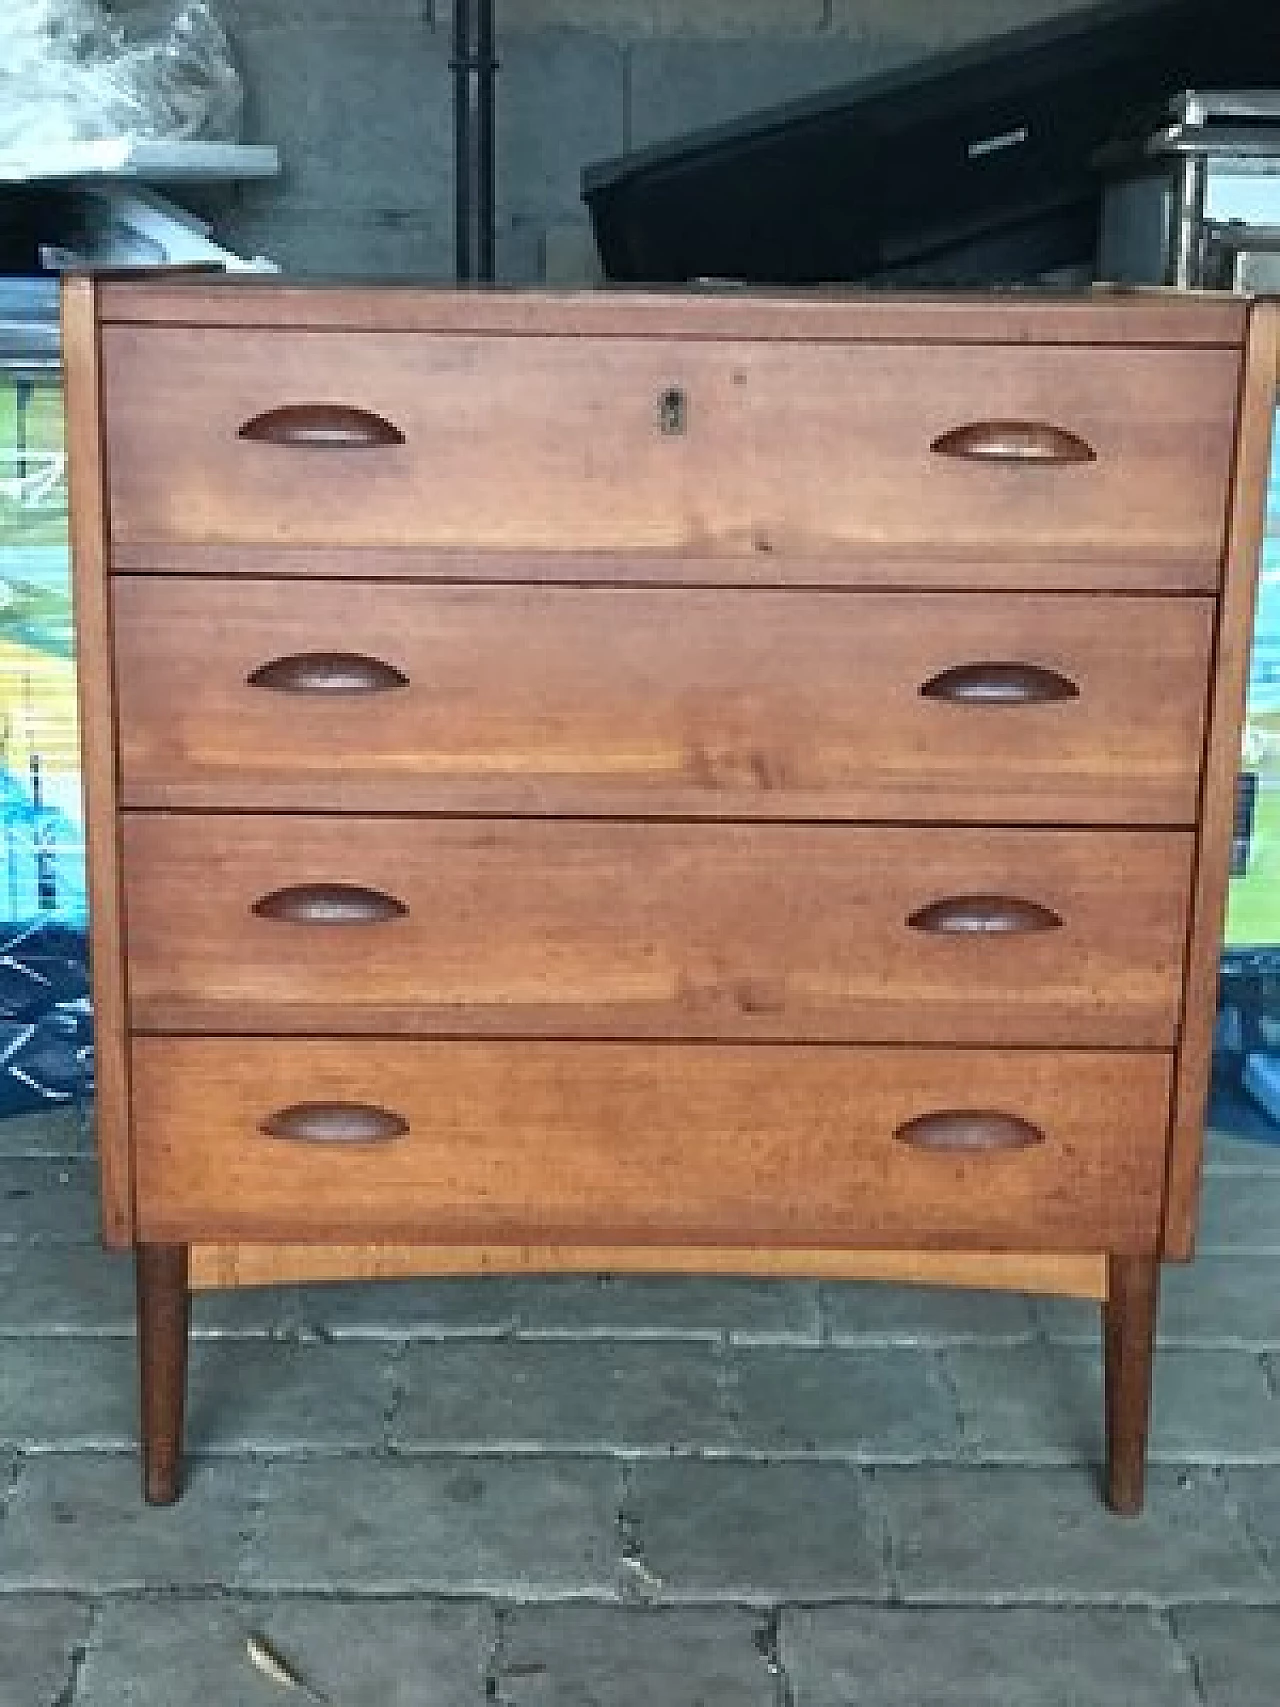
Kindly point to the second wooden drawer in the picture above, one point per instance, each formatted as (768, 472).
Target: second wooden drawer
(261, 695)
(500, 927)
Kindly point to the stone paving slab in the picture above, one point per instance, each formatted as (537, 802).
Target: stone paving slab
(871, 1404)
(1011, 1656)
(1044, 1535)
(65, 1394)
(543, 1528)
(593, 1396)
(63, 1131)
(1235, 1653)
(753, 1533)
(1256, 1493)
(1224, 1153)
(48, 1201)
(67, 1289)
(1043, 1403)
(1240, 1215)
(259, 1396)
(855, 1313)
(1215, 1302)
(410, 1653)
(637, 1657)
(79, 1522)
(39, 1638)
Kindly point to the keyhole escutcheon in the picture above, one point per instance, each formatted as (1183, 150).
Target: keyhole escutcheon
(673, 412)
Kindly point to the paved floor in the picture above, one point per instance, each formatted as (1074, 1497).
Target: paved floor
(634, 1494)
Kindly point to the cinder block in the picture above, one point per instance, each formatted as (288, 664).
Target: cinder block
(874, 1404)
(61, 1131)
(1044, 1536)
(602, 1396)
(559, 105)
(949, 1658)
(526, 1530)
(639, 1657)
(720, 18)
(79, 1522)
(754, 1533)
(40, 1641)
(408, 1653)
(1240, 1215)
(344, 243)
(933, 28)
(1256, 1495)
(65, 1289)
(362, 112)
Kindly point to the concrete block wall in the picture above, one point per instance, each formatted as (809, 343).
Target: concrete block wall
(358, 95)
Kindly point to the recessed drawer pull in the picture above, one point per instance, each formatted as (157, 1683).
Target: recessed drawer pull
(1000, 684)
(335, 1123)
(329, 904)
(965, 1130)
(328, 672)
(996, 915)
(1014, 441)
(321, 426)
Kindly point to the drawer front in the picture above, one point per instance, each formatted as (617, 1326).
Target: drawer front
(530, 928)
(639, 1144)
(679, 446)
(680, 702)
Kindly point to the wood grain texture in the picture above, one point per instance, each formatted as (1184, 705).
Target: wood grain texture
(795, 448)
(97, 709)
(163, 1324)
(637, 702)
(603, 1144)
(1129, 1341)
(1230, 683)
(214, 1266)
(534, 928)
(1105, 316)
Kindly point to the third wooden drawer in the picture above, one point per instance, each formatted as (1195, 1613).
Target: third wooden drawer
(616, 929)
(347, 696)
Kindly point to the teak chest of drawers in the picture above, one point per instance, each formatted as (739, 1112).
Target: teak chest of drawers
(701, 783)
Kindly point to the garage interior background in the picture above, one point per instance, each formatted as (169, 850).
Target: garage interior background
(358, 96)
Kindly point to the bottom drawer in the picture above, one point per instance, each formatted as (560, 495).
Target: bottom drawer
(635, 1144)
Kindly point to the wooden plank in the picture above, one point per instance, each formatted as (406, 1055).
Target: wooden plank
(216, 1266)
(778, 449)
(628, 1144)
(1230, 683)
(646, 702)
(91, 601)
(1107, 316)
(543, 929)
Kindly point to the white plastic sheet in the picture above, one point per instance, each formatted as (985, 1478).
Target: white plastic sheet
(68, 73)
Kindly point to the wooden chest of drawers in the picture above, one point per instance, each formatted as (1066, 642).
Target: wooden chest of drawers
(678, 783)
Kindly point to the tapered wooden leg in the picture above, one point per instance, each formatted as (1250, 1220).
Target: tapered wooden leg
(1129, 1333)
(163, 1316)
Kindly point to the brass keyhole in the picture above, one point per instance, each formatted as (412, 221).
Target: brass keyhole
(673, 412)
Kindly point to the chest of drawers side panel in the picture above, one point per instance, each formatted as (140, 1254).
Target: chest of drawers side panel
(1227, 705)
(91, 597)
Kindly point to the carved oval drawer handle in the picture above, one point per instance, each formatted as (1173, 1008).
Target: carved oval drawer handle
(329, 904)
(321, 426)
(1014, 441)
(327, 672)
(966, 1130)
(982, 915)
(997, 683)
(335, 1123)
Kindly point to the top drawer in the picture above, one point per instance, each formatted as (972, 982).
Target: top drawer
(695, 447)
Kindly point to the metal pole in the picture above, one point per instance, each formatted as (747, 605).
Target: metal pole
(474, 66)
